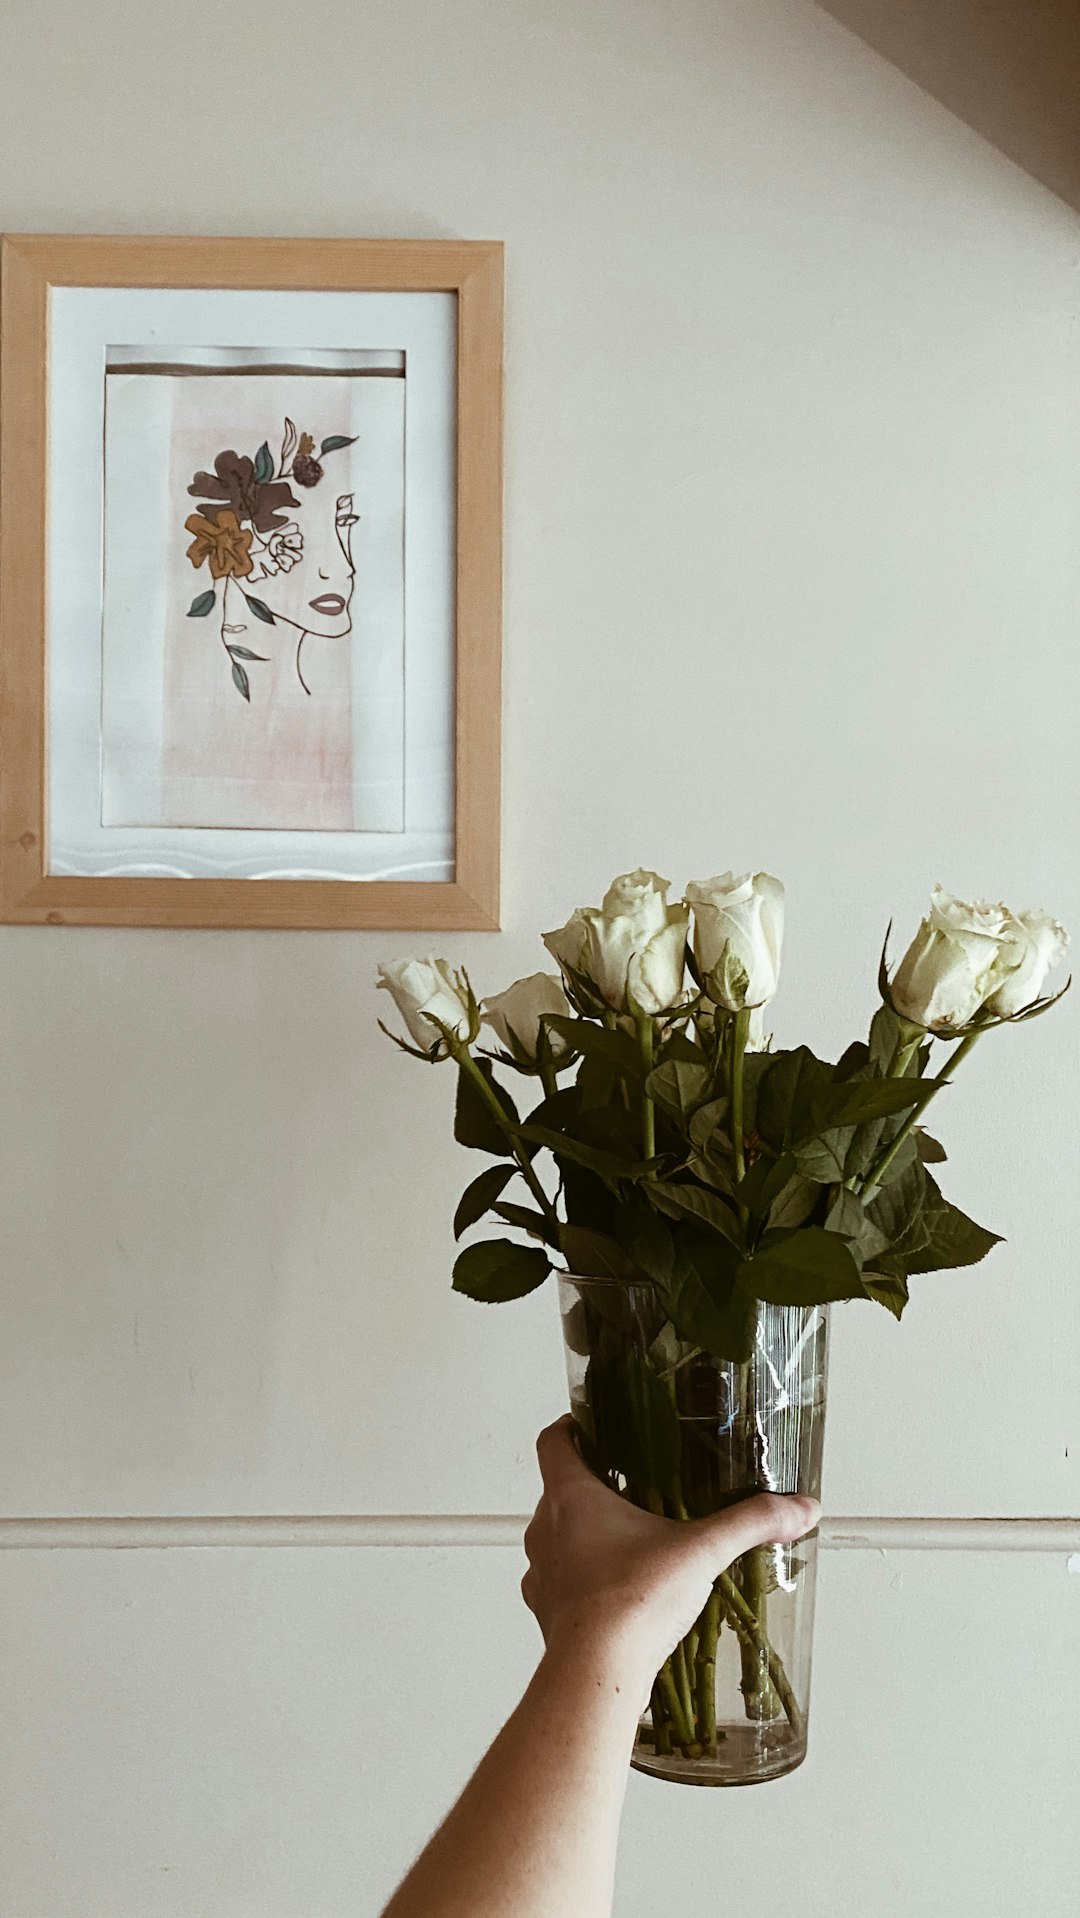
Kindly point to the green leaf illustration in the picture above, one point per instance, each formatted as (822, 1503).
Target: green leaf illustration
(202, 605)
(260, 610)
(335, 440)
(496, 1270)
(241, 652)
(240, 680)
(264, 465)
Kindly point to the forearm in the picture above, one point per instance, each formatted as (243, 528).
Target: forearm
(534, 1834)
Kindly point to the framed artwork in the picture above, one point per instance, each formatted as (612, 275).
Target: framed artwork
(250, 560)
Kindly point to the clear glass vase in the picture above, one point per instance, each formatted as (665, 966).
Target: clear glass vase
(685, 1434)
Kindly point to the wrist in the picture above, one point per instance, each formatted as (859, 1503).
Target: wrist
(589, 1652)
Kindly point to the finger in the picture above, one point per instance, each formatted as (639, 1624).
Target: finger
(558, 1455)
(768, 1518)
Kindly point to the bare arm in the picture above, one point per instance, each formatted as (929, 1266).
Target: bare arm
(535, 1831)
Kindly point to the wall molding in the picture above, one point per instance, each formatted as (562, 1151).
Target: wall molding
(496, 1529)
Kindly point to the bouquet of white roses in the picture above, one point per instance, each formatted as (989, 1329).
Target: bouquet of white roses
(710, 1196)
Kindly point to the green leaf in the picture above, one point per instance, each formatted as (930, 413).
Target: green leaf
(668, 1351)
(475, 1125)
(241, 652)
(806, 1267)
(854, 1101)
(755, 1067)
(703, 1302)
(593, 1255)
(527, 1219)
(260, 609)
(605, 1164)
(678, 1088)
(240, 680)
(892, 1293)
(794, 1204)
(763, 1183)
(616, 1050)
(897, 1210)
(334, 440)
(203, 604)
(479, 1196)
(264, 465)
(928, 1149)
(853, 1062)
(885, 1036)
(847, 1217)
(952, 1239)
(635, 1425)
(495, 1270)
(785, 1092)
(558, 1109)
(824, 1159)
(707, 1120)
(646, 1239)
(694, 1202)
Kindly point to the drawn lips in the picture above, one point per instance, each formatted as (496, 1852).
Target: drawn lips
(328, 603)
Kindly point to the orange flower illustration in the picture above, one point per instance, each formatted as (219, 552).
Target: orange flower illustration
(222, 541)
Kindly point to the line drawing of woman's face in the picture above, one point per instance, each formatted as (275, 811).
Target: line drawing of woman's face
(305, 570)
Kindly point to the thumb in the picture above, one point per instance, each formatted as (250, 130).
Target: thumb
(767, 1518)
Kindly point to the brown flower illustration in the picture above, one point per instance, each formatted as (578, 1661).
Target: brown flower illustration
(235, 487)
(222, 541)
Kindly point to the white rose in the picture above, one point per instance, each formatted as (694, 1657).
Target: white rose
(1033, 945)
(632, 947)
(514, 1015)
(953, 963)
(423, 990)
(738, 928)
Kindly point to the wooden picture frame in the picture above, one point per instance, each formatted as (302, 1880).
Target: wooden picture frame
(34, 267)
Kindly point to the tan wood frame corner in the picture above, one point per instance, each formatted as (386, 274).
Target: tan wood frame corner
(30, 265)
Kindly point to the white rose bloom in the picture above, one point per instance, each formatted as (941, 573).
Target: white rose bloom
(738, 923)
(757, 1039)
(953, 963)
(632, 947)
(1034, 943)
(426, 986)
(515, 1015)
(568, 944)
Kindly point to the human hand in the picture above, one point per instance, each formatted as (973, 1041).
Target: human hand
(619, 1581)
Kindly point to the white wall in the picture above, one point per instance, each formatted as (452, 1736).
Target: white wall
(792, 510)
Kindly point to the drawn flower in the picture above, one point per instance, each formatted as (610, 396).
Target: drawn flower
(306, 471)
(222, 541)
(237, 486)
(284, 549)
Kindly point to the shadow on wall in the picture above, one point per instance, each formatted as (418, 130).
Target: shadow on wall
(1009, 68)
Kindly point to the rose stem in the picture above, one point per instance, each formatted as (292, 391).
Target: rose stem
(646, 1037)
(748, 1630)
(468, 1064)
(706, 1673)
(661, 1733)
(884, 1160)
(756, 1690)
(740, 1028)
(684, 1732)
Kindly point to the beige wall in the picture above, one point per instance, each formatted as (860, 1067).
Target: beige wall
(792, 512)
